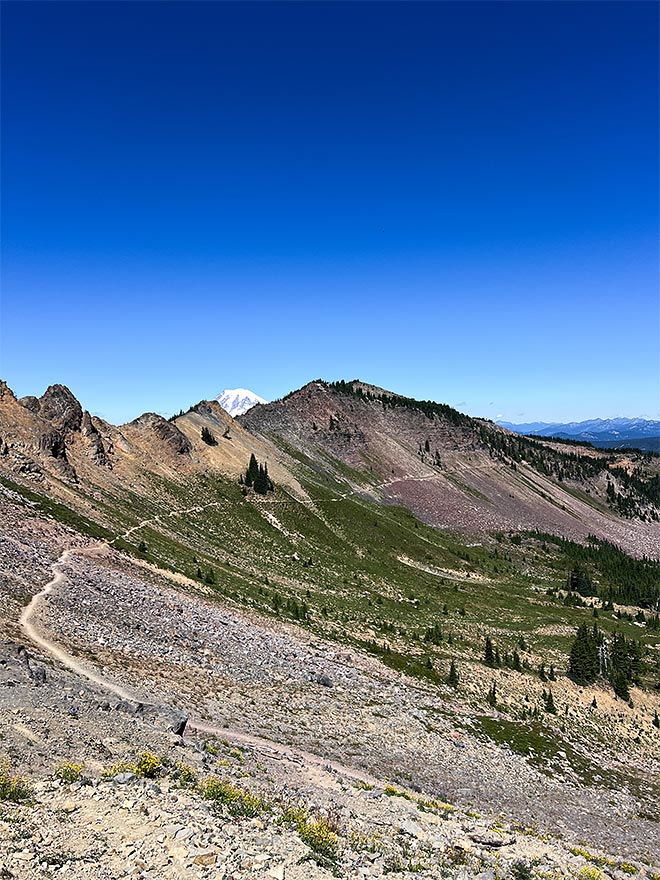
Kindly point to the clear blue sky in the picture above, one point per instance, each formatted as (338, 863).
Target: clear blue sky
(455, 201)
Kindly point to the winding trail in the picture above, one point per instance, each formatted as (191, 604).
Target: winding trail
(265, 746)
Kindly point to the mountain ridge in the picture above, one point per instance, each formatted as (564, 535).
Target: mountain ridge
(449, 469)
(619, 428)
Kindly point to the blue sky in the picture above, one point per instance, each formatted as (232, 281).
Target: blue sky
(455, 201)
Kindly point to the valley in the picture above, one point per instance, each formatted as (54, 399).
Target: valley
(312, 629)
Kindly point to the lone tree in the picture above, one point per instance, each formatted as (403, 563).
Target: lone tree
(489, 654)
(491, 698)
(550, 703)
(452, 678)
(208, 437)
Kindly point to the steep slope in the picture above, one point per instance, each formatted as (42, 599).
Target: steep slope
(115, 473)
(458, 472)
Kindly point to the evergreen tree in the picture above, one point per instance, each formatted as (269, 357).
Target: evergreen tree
(550, 703)
(252, 471)
(583, 661)
(142, 547)
(208, 437)
(489, 654)
(656, 720)
(542, 674)
(579, 581)
(256, 476)
(210, 577)
(452, 678)
(551, 675)
(491, 698)
(625, 664)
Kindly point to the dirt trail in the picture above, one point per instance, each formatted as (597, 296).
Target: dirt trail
(268, 747)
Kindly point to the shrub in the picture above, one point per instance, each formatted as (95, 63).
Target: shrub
(149, 765)
(67, 771)
(520, 870)
(13, 788)
(237, 801)
(146, 765)
(588, 872)
(184, 775)
(318, 834)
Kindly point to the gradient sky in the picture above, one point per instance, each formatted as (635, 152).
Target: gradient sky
(455, 201)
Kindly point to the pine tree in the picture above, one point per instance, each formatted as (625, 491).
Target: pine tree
(142, 547)
(550, 703)
(208, 437)
(656, 720)
(583, 662)
(452, 678)
(491, 699)
(542, 674)
(256, 476)
(551, 674)
(261, 481)
(489, 654)
(210, 577)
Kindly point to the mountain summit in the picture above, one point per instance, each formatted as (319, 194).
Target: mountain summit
(237, 401)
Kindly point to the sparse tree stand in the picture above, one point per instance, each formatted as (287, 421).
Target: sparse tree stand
(583, 662)
(256, 477)
(208, 437)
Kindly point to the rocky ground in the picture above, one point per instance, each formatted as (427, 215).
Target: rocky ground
(300, 759)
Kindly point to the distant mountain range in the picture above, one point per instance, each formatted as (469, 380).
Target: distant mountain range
(237, 401)
(609, 433)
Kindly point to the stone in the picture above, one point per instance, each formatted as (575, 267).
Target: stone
(205, 858)
(125, 778)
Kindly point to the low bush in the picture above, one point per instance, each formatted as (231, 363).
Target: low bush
(68, 771)
(12, 787)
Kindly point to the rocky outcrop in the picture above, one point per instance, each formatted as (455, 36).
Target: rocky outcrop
(95, 447)
(30, 402)
(59, 407)
(165, 431)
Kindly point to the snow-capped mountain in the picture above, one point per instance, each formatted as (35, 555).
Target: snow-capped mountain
(237, 401)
